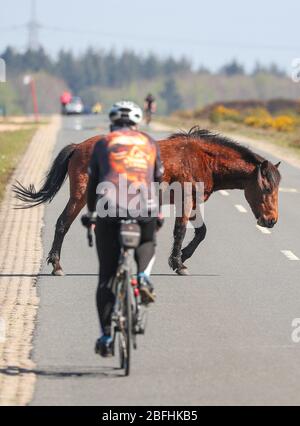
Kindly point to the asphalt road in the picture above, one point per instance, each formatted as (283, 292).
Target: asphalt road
(221, 336)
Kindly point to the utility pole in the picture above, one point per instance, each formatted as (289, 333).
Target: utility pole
(29, 81)
(33, 29)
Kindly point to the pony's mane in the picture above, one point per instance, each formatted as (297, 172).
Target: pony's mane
(197, 133)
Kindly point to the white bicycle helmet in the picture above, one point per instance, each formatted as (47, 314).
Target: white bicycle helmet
(126, 112)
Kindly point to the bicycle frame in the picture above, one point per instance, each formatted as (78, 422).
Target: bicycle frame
(122, 278)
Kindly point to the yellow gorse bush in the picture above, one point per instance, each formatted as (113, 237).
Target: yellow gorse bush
(221, 113)
(282, 123)
(259, 122)
(259, 118)
(261, 113)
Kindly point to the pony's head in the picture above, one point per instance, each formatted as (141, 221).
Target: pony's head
(261, 192)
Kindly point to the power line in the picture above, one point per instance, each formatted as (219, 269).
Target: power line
(13, 27)
(208, 43)
(34, 26)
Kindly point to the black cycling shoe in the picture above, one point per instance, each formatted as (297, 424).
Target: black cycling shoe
(104, 347)
(140, 329)
(146, 291)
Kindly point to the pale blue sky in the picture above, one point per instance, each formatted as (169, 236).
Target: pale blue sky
(209, 32)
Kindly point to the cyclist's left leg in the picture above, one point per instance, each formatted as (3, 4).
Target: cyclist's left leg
(108, 248)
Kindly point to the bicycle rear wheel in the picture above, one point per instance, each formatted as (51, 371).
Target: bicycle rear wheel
(148, 118)
(125, 335)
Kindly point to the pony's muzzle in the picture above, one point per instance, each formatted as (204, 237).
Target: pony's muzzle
(266, 223)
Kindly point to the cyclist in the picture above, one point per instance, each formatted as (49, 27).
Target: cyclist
(130, 154)
(65, 99)
(149, 107)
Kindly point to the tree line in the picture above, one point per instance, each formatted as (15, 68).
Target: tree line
(105, 75)
(94, 68)
(108, 69)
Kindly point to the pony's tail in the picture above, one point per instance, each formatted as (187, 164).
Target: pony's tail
(53, 182)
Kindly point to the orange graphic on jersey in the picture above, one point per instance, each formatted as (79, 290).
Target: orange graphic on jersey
(131, 154)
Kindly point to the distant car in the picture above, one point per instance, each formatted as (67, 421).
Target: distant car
(75, 106)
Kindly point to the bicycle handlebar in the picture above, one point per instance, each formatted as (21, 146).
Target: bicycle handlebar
(89, 225)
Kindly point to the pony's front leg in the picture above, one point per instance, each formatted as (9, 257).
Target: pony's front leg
(199, 235)
(175, 260)
(189, 250)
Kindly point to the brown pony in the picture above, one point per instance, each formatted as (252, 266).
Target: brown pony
(196, 156)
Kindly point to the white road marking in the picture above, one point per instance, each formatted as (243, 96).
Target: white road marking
(224, 193)
(240, 208)
(263, 230)
(289, 254)
(289, 190)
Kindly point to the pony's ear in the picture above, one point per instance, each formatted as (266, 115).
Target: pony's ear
(261, 173)
(259, 177)
(278, 165)
(264, 167)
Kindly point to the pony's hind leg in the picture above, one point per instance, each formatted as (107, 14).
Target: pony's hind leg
(78, 188)
(64, 222)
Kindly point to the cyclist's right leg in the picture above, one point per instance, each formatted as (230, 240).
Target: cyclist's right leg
(108, 248)
(145, 253)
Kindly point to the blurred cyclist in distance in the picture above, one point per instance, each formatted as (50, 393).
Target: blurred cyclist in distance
(150, 108)
(65, 99)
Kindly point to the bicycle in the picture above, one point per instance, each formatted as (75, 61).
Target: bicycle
(129, 317)
(148, 116)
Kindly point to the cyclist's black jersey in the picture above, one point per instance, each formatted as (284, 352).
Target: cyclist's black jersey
(149, 102)
(125, 156)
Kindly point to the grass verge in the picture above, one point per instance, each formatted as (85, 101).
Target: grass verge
(12, 147)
